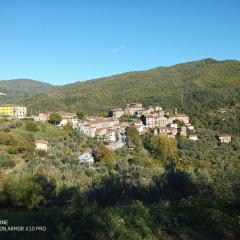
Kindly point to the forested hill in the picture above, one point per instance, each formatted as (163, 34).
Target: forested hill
(199, 85)
(10, 90)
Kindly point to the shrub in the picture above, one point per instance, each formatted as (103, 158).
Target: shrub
(13, 149)
(6, 162)
(21, 191)
(31, 127)
(15, 124)
(6, 139)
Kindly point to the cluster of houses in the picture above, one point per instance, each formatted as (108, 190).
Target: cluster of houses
(151, 119)
(66, 118)
(112, 129)
(104, 129)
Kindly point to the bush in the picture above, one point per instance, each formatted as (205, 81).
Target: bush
(6, 162)
(6, 129)
(13, 149)
(21, 191)
(6, 139)
(15, 124)
(31, 127)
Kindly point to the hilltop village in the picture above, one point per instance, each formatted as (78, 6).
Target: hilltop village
(145, 120)
(111, 129)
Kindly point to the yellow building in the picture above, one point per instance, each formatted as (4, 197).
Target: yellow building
(13, 111)
(6, 110)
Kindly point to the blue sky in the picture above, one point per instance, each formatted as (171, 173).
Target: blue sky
(63, 41)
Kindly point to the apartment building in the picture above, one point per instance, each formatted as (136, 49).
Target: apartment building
(152, 120)
(13, 111)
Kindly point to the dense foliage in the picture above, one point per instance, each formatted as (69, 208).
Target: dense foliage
(158, 188)
(153, 188)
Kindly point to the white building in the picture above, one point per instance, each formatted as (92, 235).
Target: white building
(105, 129)
(19, 112)
(193, 137)
(101, 122)
(172, 132)
(42, 117)
(106, 134)
(225, 138)
(86, 157)
(85, 128)
(42, 145)
(72, 121)
(190, 127)
(173, 125)
(151, 121)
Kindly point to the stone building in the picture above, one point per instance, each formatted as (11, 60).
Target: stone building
(132, 108)
(116, 113)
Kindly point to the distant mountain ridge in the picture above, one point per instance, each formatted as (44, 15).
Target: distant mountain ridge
(10, 90)
(193, 87)
(205, 83)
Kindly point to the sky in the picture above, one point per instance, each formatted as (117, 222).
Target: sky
(64, 41)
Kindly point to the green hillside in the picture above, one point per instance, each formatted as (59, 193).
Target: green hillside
(205, 84)
(10, 90)
(159, 188)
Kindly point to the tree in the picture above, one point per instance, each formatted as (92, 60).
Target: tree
(133, 137)
(27, 146)
(105, 155)
(179, 123)
(21, 191)
(67, 128)
(163, 147)
(55, 118)
(80, 115)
